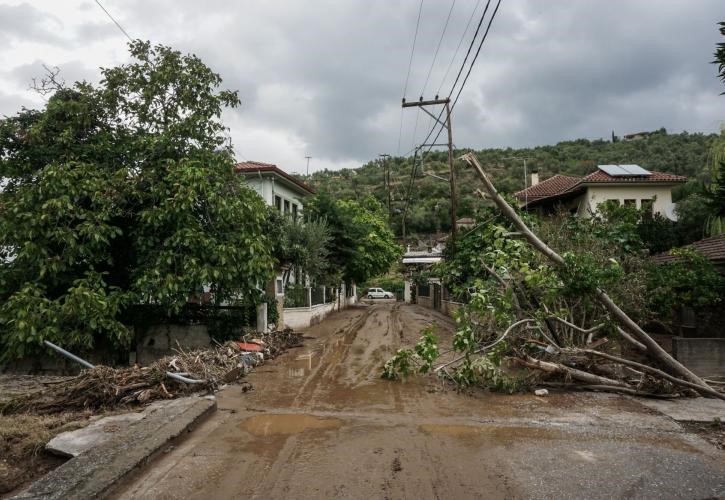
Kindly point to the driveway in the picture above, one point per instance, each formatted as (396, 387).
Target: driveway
(320, 423)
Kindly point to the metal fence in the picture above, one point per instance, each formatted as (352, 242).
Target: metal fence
(296, 296)
(318, 295)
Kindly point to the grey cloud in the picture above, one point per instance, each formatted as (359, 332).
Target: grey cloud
(25, 22)
(331, 73)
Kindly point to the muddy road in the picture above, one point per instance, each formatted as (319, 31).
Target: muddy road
(320, 423)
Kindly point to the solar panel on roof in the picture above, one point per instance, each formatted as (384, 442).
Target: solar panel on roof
(635, 170)
(613, 170)
(624, 170)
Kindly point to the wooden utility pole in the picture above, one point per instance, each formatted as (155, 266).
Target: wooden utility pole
(386, 176)
(447, 125)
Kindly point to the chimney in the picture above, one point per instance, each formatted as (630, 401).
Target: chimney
(534, 177)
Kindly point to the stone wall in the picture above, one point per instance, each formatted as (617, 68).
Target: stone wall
(449, 307)
(159, 340)
(704, 356)
(425, 302)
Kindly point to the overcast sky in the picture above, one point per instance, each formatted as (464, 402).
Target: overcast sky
(325, 78)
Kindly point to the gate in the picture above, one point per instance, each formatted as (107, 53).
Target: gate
(437, 296)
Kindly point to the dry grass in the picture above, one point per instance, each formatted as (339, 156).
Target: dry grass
(22, 441)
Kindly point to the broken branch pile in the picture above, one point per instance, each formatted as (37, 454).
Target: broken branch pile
(103, 387)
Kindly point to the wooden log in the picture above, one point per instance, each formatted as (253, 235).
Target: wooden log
(574, 373)
(649, 369)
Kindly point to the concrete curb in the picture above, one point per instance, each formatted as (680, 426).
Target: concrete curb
(95, 472)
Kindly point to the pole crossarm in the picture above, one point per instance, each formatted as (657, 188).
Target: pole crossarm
(431, 102)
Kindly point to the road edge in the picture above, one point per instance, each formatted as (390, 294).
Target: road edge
(98, 471)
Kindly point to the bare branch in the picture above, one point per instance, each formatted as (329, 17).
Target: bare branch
(577, 328)
(48, 84)
(649, 369)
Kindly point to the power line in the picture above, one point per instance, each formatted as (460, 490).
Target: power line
(114, 21)
(473, 61)
(470, 47)
(407, 76)
(460, 42)
(460, 71)
(440, 41)
(478, 51)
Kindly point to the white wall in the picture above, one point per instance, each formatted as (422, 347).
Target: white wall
(599, 194)
(302, 317)
(271, 185)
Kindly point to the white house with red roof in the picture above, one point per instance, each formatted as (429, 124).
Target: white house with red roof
(625, 184)
(278, 188)
(287, 194)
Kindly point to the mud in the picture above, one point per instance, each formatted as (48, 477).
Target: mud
(322, 424)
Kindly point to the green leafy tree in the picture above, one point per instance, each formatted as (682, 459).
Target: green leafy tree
(720, 55)
(302, 247)
(362, 244)
(715, 192)
(120, 194)
(691, 280)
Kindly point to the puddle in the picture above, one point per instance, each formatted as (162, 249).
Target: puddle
(287, 424)
(303, 364)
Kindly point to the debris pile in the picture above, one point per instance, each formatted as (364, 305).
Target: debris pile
(184, 372)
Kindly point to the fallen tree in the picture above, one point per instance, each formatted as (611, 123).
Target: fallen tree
(535, 316)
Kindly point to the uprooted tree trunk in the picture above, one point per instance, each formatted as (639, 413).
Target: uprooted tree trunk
(639, 337)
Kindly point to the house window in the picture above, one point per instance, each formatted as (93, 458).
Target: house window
(286, 206)
(648, 207)
(278, 203)
(280, 289)
(630, 203)
(294, 211)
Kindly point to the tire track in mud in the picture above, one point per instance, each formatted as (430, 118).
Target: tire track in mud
(330, 360)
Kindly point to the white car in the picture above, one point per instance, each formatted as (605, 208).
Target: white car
(379, 293)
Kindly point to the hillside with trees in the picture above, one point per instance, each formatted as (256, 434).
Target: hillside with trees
(685, 153)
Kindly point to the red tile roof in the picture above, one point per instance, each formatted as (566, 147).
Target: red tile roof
(656, 177)
(562, 184)
(247, 167)
(712, 248)
(553, 186)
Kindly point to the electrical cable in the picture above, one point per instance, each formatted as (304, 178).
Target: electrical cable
(460, 42)
(440, 41)
(114, 21)
(407, 76)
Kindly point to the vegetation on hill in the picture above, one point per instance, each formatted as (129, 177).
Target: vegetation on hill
(683, 154)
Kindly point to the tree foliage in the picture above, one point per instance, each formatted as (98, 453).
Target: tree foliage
(720, 55)
(302, 247)
(428, 212)
(362, 244)
(119, 194)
